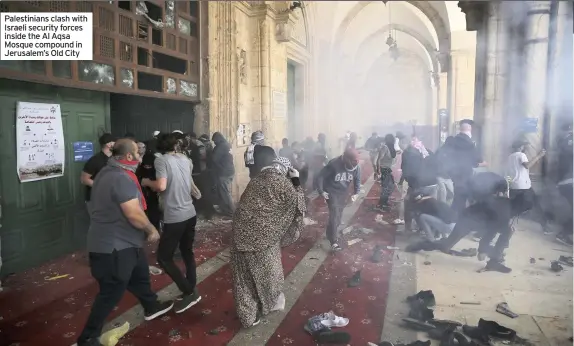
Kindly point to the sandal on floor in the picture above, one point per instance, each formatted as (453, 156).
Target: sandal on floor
(502, 308)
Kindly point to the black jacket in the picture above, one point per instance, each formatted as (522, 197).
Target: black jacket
(221, 158)
(417, 171)
(464, 156)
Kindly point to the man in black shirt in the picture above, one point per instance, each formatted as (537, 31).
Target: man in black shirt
(465, 156)
(96, 163)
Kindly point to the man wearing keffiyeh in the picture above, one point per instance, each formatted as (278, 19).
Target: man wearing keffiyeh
(257, 139)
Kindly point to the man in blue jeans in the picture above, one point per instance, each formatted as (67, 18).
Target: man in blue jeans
(435, 217)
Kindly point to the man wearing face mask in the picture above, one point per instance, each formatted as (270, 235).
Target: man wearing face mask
(118, 230)
(333, 184)
(96, 163)
(465, 157)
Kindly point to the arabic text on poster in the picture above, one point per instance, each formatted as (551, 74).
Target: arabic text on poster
(39, 141)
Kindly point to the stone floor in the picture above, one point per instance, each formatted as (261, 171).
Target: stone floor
(542, 298)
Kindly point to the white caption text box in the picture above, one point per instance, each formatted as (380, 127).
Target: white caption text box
(46, 36)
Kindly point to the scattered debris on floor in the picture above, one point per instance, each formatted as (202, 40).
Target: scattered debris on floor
(355, 279)
(56, 277)
(153, 270)
(113, 336)
(567, 260)
(453, 333)
(427, 263)
(354, 241)
(366, 231)
(348, 230)
(379, 219)
(470, 303)
(502, 308)
(377, 254)
(308, 221)
(556, 267)
(532, 260)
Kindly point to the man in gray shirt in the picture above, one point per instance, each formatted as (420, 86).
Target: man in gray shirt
(176, 187)
(118, 230)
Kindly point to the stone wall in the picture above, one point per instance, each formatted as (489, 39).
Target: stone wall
(249, 46)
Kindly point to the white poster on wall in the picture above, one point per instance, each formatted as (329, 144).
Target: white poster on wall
(40, 146)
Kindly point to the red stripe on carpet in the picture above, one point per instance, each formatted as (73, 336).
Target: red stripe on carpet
(214, 321)
(364, 305)
(54, 312)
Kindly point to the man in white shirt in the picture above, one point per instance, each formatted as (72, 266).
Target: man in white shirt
(518, 174)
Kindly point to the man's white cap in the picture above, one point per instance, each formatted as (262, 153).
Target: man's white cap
(178, 131)
(155, 133)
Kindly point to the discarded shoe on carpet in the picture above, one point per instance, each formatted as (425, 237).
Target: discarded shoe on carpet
(327, 336)
(377, 254)
(415, 343)
(355, 280)
(323, 334)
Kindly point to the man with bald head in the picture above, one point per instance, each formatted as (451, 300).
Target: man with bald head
(118, 230)
(465, 156)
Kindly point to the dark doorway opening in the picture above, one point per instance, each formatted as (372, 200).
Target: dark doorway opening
(144, 115)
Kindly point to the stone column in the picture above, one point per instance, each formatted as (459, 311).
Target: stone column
(535, 70)
(492, 140)
(222, 68)
(265, 35)
(560, 91)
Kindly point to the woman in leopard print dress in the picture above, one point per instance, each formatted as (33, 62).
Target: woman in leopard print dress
(269, 216)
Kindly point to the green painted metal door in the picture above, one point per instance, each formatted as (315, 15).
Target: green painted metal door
(45, 219)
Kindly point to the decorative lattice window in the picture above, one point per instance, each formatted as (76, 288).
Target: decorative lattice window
(107, 48)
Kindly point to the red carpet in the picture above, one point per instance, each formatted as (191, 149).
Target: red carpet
(214, 322)
(40, 312)
(363, 305)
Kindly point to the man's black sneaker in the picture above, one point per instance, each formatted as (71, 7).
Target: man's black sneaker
(497, 267)
(160, 309)
(187, 302)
